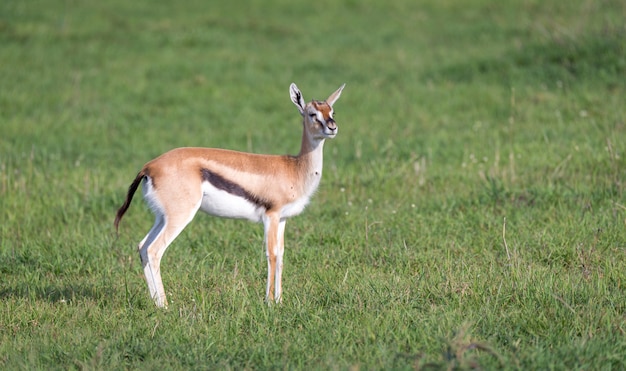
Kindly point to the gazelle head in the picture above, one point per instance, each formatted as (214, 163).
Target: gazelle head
(318, 115)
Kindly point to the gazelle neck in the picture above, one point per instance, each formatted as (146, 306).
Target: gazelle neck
(312, 151)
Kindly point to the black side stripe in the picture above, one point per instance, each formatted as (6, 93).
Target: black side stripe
(226, 185)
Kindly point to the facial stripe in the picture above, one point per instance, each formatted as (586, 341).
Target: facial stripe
(323, 108)
(226, 185)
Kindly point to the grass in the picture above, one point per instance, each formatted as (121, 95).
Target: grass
(472, 211)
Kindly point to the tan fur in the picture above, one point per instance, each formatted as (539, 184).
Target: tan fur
(257, 172)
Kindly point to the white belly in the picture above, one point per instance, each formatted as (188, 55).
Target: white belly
(226, 205)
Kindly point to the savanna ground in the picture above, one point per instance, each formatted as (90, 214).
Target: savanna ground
(472, 212)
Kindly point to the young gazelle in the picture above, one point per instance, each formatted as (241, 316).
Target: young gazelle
(230, 184)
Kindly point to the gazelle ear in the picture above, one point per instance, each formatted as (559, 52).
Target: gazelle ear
(296, 98)
(334, 96)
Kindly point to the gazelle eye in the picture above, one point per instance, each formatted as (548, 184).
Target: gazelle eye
(313, 115)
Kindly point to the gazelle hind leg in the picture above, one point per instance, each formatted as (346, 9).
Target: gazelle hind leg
(153, 278)
(167, 226)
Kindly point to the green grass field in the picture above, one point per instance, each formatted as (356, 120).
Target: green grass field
(472, 212)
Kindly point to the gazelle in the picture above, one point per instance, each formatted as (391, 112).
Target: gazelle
(230, 184)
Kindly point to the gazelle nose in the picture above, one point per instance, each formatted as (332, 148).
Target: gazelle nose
(331, 124)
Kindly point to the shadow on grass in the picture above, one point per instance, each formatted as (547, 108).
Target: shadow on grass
(461, 353)
(58, 293)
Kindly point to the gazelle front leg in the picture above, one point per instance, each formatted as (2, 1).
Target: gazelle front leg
(274, 247)
(280, 250)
